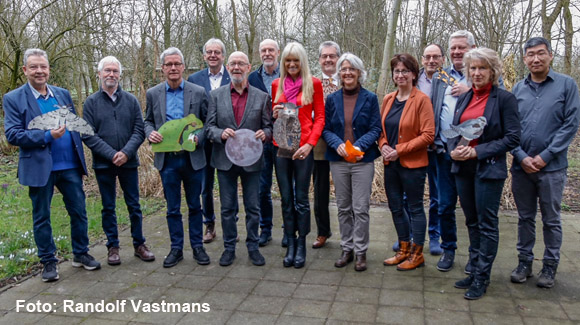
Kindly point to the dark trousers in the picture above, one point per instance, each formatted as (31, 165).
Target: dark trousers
(266, 207)
(480, 200)
(228, 182)
(294, 182)
(548, 187)
(207, 185)
(70, 184)
(447, 195)
(434, 226)
(400, 180)
(129, 181)
(321, 180)
(178, 170)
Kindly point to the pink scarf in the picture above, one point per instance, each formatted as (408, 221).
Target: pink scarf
(292, 89)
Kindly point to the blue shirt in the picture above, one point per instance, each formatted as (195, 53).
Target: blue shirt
(549, 114)
(269, 78)
(449, 102)
(174, 102)
(425, 84)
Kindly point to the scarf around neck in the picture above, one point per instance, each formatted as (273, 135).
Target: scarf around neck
(292, 89)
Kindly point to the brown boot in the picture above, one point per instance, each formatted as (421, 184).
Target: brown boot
(414, 261)
(401, 255)
(361, 263)
(345, 258)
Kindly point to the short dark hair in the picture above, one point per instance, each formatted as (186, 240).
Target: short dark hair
(535, 41)
(409, 62)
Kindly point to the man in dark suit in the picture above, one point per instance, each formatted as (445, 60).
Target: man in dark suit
(213, 77)
(234, 107)
(174, 99)
(48, 159)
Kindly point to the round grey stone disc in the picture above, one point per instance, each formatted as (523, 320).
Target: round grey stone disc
(244, 149)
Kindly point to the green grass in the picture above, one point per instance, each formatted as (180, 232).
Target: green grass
(17, 247)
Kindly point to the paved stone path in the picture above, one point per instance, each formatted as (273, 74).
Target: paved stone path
(319, 293)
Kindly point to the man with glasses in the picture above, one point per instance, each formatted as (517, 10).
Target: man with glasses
(549, 108)
(238, 106)
(173, 99)
(213, 77)
(116, 117)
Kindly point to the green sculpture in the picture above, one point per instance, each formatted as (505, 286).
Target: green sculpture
(178, 134)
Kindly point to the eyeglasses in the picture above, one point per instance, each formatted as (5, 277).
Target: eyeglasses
(347, 70)
(401, 72)
(211, 52)
(539, 54)
(170, 65)
(431, 57)
(239, 64)
(328, 56)
(113, 71)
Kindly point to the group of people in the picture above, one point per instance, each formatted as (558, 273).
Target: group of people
(336, 114)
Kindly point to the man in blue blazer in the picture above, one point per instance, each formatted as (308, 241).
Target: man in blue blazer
(48, 159)
(213, 77)
(173, 99)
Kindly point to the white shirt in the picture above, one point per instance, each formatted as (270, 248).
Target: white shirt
(215, 80)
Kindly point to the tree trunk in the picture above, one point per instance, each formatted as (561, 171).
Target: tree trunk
(389, 49)
(568, 38)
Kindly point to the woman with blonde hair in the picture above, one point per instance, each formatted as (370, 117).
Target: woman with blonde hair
(297, 86)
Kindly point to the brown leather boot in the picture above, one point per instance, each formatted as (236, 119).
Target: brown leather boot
(402, 254)
(414, 261)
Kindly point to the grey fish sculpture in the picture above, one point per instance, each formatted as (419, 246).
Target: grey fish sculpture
(468, 130)
(287, 130)
(61, 116)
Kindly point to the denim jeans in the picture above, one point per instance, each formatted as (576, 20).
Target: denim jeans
(207, 185)
(480, 200)
(266, 207)
(411, 181)
(228, 181)
(294, 182)
(434, 224)
(176, 170)
(70, 183)
(129, 181)
(321, 180)
(447, 195)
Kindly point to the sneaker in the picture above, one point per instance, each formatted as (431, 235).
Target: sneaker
(435, 247)
(86, 261)
(547, 276)
(445, 263)
(265, 238)
(256, 258)
(228, 257)
(200, 256)
(522, 272)
(50, 272)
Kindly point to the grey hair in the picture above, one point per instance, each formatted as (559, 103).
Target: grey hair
(535, 41)
(34, 52)
(463, 34)
(109, 59)
(217, 41)
(356, 63)
(171, 51)
(486, 55)
(328, 44)
(269, 41)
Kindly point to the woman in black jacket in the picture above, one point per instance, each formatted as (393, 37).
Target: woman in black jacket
(480, 167)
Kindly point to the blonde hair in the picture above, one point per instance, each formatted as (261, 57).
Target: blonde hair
(297, 50)
(486, 55)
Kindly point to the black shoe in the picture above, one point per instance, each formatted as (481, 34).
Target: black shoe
(465, 283)
(300, 258)
(547, 275)
(86, 261)
(200, 256)
(228, 257)
(264, 239)
(256, 258)
(468, 268)
(174, 256)
(290, 251)
(285, 241)
(476, 290)
(50, 272)
(445, 263)
(522, 272)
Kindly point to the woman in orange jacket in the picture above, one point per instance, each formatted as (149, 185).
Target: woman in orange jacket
(408, 128)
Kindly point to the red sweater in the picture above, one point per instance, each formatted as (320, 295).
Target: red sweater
(476, 107)
(310, 129)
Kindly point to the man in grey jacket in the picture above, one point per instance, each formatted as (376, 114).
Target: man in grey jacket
(234, 107)
(116, 117)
